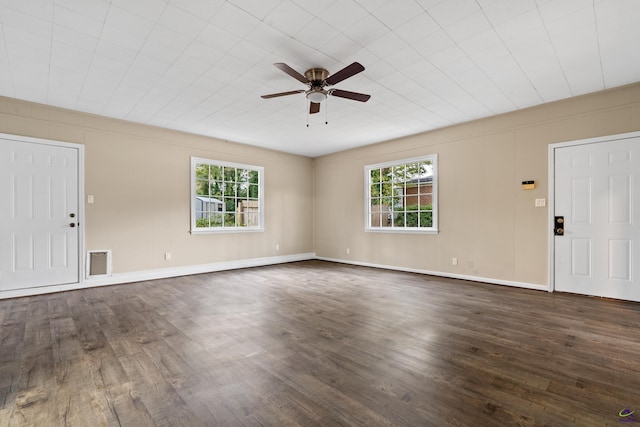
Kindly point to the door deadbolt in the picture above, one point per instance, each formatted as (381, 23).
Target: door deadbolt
(72, 215)
(558, 226)
(73, 224)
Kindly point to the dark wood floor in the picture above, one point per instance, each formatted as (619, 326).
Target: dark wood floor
(316, 344)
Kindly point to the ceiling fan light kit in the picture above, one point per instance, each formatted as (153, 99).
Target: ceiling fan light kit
(316, 95)
(318, 79)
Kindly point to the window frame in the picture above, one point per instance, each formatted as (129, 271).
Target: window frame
(433, 158)
(195, 161)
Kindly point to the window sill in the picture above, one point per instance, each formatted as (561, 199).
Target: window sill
(228, 230)
(402, 230)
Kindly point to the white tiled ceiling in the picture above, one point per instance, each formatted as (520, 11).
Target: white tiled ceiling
(201, 65)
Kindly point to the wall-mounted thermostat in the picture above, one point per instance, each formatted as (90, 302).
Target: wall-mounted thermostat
(528, 185)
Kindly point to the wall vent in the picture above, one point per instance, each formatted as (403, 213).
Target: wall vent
(98, 263)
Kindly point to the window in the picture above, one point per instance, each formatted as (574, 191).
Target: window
(226, 196)
(401, 196)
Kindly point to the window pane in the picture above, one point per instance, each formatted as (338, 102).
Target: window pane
(374, 190)
(243, 175)
(413, 172)
(230, 204)
(216, 189)
(386, 174)
(411, 218)
(398, 203)
(374, 219)
(398, 190)
(386, 189)
(217, 220)
(229, 174)
(375, 209)
(230, 220)
(254, 192)
(374, 175)
(380, 215)
(425, 185)
(202, 171)
(202, 219)
(398, 173)
(250, 210)
(426, 218)
(427, 167)
(242, 190)
(392, 219)
(426, 201)
(216, 172)
(202, 187)
(411, 195)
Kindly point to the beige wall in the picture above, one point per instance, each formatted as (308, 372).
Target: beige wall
(485, 219)
(139, 176)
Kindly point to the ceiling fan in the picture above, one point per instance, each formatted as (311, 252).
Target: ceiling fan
(317, 79)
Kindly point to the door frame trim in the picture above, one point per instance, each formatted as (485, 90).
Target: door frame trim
(552, 186)
(81, 210)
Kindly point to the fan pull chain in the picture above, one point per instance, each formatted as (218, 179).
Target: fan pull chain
(326, 111)
(308, 117)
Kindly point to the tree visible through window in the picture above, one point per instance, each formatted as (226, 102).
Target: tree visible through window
(225, 196)
(402, 196)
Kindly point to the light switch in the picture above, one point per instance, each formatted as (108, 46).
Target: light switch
(541, 203)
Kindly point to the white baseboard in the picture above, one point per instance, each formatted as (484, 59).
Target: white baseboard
(161, 273)
(443, 274)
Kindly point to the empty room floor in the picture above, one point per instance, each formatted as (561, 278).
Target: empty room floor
(316, 343)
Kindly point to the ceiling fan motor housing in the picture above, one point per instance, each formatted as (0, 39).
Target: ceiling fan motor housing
(316, 76)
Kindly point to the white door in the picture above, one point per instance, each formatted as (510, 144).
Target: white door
(597, 191)
(39, 238)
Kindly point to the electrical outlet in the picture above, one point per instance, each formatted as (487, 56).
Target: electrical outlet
(167, 256)
(277, 246)
(90, 199)
(454, 261)
(348, 251)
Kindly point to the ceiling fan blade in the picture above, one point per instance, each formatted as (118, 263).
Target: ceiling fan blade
(314, 107)
(275, 95)
(350, 95)
(345, 73)
(293, 73)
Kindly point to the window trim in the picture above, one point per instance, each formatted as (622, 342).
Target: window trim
(226, 229)
(434, 201)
